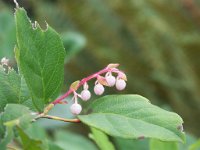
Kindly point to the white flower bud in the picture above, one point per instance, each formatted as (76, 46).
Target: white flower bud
(98, 89)
(85, 95)
(110, 80)
(120, 84)
(76, 108)
(4, 61)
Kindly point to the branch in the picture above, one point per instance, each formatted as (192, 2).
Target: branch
(110, 67)
(57, 118)
(11, 148)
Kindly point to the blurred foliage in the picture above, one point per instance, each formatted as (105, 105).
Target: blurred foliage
(156, 43)
(7, 32)
(73, 43)
(101, 139)
(195, 146)
(67, 140)
(157, 145)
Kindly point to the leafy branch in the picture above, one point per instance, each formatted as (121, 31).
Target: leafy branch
(40, 57)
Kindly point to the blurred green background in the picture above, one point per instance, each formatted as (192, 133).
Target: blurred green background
(157, 43)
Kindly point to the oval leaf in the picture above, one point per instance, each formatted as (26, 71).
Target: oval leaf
(133, 116)
(40, 56)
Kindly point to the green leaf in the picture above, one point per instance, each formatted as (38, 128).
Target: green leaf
(8, 137)
(53, 146)
(28, 143)
(13, 89)
(37, 134)
(160, 145)
(16, 114)
(101, 139)
(2, 128)
(25, 97)
(133, 117)
(72, 141)
(126, 144)
(9, 87)
(40, 55)
(195, 146)
(13, 115)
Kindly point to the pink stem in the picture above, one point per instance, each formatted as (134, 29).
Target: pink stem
(83, 81)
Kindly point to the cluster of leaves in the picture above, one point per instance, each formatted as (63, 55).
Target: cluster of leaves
(40, 57)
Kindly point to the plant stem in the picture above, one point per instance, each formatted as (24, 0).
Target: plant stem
(58, 118)
(11, 148)
(109, 68)
(82, 82)
(16, 3)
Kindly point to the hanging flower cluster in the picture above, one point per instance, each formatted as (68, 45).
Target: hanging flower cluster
(103, 78)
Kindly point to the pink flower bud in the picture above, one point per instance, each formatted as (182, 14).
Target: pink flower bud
(98, 89)
(110, 80)
(85, 95)
(76, 108)
(120, 84)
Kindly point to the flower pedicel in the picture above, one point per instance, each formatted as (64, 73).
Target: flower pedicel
(109, 80)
